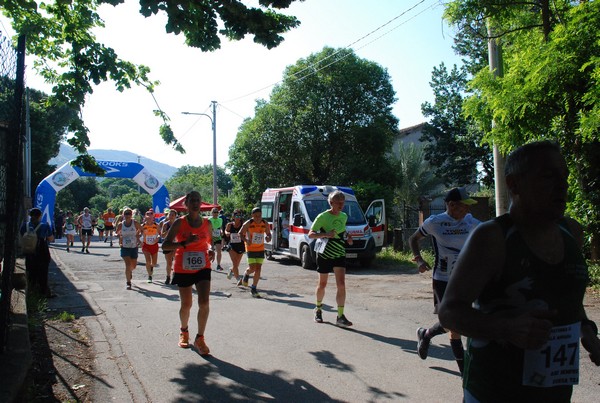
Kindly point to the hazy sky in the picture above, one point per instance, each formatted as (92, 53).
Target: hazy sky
(409, 46)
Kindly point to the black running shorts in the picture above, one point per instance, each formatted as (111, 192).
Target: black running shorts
(187, 280)
(327, 265)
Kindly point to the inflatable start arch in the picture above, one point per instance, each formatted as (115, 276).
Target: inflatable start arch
(45, 193)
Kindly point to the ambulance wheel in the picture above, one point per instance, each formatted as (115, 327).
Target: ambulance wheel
(306, 258)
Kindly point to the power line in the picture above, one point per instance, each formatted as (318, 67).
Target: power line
(346, 47)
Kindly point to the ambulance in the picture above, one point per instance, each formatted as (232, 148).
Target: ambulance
(290, 212)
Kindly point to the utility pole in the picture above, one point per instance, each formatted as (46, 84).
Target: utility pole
(495, 61)
(214, 128)
(213, 120)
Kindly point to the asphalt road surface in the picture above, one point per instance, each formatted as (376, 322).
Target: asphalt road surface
(264, 349)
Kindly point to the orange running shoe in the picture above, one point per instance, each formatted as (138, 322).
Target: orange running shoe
(201, 345)
(184, 339)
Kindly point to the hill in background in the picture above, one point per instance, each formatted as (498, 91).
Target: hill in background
(162, 171)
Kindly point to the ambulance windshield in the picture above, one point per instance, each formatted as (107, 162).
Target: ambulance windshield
(351, 208)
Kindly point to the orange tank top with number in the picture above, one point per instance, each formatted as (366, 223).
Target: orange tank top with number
(256, 236)
(150, 232)
(194, 257)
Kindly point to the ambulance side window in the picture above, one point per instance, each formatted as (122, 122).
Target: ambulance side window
(299, 220)
(267, 211)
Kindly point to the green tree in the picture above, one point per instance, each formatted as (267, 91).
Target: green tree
(416, 179)
(77, 194)
(549, 89)
(48, 125)
(133, 200)
(455, 148)
(61, 35)
(115, 187)
(453, 145)
(190, 177)
(329, 121)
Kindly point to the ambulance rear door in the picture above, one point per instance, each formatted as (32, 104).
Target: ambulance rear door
(376, 218)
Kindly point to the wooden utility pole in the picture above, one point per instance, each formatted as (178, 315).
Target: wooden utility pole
(495, 61)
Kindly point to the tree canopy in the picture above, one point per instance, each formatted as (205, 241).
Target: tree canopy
(454, 142)
(188, 178)
(60, 34)
(329, 121)
(550, 87)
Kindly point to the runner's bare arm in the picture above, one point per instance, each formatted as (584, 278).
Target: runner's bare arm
(168, 243)
(481, 261)
(413, 242)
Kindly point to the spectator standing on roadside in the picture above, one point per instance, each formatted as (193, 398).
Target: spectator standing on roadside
(329, 229)
(190, 237)
(37, 263)
(518, 286)
(449, 232)
(129, 233)
(59, 222)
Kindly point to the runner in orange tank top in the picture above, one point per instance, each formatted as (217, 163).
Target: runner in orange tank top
(191, 238)
(254, 232)
(150, 242)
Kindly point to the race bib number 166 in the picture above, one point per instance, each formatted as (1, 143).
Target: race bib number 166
(194, 260)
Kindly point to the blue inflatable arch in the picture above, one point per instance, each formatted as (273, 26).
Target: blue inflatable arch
(45, 193)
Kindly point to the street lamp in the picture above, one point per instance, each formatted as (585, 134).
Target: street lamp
(213, 120)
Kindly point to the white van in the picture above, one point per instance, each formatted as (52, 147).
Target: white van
(291, 211)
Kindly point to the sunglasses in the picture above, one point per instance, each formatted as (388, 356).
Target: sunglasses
(127, 213)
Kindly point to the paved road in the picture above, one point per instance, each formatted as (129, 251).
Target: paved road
(263, 349)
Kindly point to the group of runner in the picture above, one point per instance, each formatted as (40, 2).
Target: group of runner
(83, 225)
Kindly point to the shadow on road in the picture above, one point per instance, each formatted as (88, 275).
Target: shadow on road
(204, 382)
(409, 346)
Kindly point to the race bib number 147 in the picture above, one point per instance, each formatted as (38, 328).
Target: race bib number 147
(557, 362)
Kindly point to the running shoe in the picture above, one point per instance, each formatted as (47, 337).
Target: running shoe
(343, 322)
(255, 293)
(105, 239)
(82, 250)
(87, 250)
(111, 244)
(67, 249)
(243, 281)
(318, 315)
(129, 285)
(201, 346)
(168, 280)
(184, 339)
(230, 274)
(149, 279)
(422, 343)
